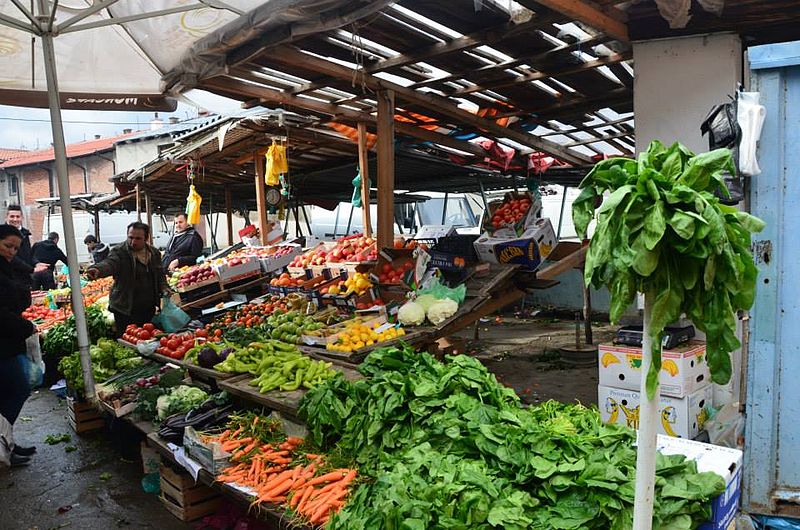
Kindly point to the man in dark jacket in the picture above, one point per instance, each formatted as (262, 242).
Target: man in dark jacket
(23, 264)
(98, 249)
(138, 278)
(184, 247)
(47, 252)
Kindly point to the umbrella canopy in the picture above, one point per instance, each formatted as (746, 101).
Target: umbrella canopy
(109, 54)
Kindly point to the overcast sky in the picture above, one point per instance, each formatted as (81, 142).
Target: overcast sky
(30, 128)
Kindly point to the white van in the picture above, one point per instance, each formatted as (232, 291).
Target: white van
(412, 211)
(113, 229)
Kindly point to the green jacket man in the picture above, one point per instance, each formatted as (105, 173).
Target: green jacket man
(138, 278)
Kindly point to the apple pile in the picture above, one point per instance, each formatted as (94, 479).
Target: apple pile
(355, 248)
(393, 274)
(196, 274)
(511, 212)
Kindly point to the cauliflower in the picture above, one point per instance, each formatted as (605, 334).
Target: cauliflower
(411, 314)
(441, 310)
(425, 300)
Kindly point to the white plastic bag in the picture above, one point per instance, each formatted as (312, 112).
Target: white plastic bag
(726, 428)
(36, 368)
(750, 116)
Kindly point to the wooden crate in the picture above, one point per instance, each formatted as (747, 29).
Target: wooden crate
(183, 498)
(83, 416)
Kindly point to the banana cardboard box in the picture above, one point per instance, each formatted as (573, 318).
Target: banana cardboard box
(682, 418)
(683, 369)
(528, 250)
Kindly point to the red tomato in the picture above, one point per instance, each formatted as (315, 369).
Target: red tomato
(130, 327)
(201, 333)
(164, 341)
(149, 327)
(144, 335)
(173, 343)
(387, 267)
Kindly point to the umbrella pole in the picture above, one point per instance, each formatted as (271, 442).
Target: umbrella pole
(647, 436)
(60, 150)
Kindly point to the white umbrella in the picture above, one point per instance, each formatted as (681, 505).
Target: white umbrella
(103, 54)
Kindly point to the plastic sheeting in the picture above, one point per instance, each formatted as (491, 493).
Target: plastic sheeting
(676, 12)
(119, 59)
(275, 22)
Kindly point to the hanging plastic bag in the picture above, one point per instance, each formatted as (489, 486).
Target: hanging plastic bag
(357, 199)
(171, 318)
(750, 115)
(193, 202)
(276, 164)
(35, 366)
(440, 291)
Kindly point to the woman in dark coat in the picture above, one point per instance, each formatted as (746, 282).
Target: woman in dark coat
(14, 330)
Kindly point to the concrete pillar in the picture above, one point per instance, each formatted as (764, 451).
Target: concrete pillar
(677, 81)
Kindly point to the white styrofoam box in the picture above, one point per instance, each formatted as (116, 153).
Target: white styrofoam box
(249, 266)
(680, 417)
(270, 263)
(529, 250)
(435, 231)
(723, 461)
(683, 369)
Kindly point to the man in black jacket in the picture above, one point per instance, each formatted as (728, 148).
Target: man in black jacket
(23, 265)
(139, 279)
(184, 247)
(98, 249)
(47, 252)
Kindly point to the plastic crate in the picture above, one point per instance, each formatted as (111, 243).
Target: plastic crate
(453, 253)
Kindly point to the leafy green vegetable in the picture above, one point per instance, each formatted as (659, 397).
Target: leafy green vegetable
(446, 446)
(108, 358)
(180, 399)
(62, 339)
(55, 439)
(662, 232)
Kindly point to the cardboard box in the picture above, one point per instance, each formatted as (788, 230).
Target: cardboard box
(210, 455)
(529, 250)
(275, 263)
(723, 461)
(684, 369)
(534, 213)
(250, 266)
(683, 418)
(435, 231)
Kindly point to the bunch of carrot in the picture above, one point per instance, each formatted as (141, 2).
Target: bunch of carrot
(271, 470)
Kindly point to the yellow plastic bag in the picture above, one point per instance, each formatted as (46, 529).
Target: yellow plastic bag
(193, 202)
(276, 164)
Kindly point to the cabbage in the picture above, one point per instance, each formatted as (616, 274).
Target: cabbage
(425, 300)
(441, 310)
(411, 314)
(181, 399)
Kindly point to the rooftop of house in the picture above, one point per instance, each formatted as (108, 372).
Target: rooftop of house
(75, 150)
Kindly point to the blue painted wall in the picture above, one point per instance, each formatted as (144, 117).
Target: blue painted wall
(772, 451)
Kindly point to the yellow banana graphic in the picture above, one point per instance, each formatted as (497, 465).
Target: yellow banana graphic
(631, 416)
(613, 409)
(702, 416)
(609, 359)
(670, 367)
(667, 419)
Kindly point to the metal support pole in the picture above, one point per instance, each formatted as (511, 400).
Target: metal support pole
(648, 424)
(60, 151)
(149, 209)
(305, 216)
(444, 207)
(229, 215)
(138, 202)
(561, 214)
(349, 221)
(97, 223)
(587, 312)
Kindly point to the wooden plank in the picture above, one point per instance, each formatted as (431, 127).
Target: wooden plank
(574, 259)
(592, 15)
(363, 164)
(435, 103)
(261, 196)
(385, 168)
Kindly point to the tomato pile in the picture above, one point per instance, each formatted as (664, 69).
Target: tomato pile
(40, 312)
(135, 334)
(175, 345)
(249, 315)
(391, 273)
(511, 212)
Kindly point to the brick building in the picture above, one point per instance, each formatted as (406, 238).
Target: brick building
(31, 175)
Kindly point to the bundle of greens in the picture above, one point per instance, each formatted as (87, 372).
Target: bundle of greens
(62, 339)
(108, 358)
(662, 232)
(449, 447)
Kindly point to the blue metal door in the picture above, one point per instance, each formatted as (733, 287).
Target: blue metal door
(772, 452)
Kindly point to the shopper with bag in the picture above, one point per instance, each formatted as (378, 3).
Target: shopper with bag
(138, 278)
(14, 330)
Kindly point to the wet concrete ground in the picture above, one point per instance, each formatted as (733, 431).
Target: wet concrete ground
(97, 485)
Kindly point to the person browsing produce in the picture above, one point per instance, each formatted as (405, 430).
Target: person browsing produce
(184, 247)
(23, 264)
(47, 252)
(98, 249)
(138, 278)
(14, 330)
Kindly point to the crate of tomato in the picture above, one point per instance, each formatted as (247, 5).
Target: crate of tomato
(516, 212)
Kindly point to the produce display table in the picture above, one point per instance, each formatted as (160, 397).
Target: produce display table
(412, 336)
(224, 294)
(285, 402)
(206, 373)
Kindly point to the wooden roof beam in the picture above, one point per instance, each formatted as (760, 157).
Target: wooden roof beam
(592, 15)
(439, 104)
(230, 85)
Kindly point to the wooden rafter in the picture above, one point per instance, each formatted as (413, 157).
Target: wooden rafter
(590, 14)
(439, 104)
